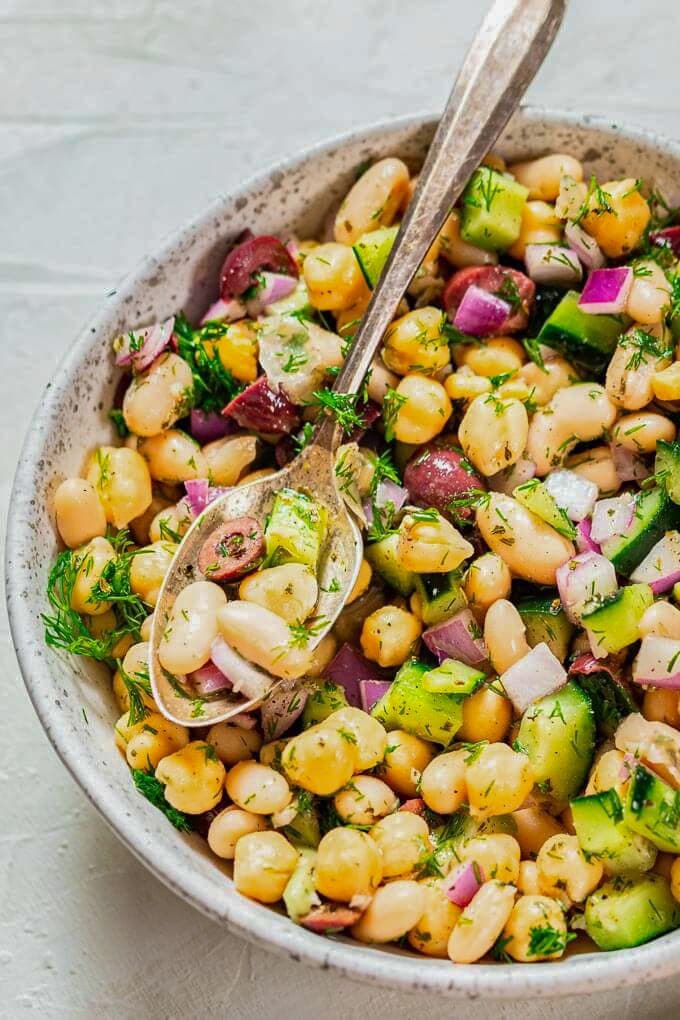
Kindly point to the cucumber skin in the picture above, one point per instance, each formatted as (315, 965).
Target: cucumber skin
(382, 556)
(589, 340)
(496, 225)
(408, 706)
(614, 625)
(627, 552)
(647, 794)
(545, 624)
(630, 910)
(440, 607)
(602, 833)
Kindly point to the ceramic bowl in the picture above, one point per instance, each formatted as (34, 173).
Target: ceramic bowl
(182, 273)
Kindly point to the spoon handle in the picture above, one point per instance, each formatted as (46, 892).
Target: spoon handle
(503, 59)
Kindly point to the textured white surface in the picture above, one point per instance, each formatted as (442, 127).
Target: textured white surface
(118, 120)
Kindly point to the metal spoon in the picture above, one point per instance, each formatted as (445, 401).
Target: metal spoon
(503, 59)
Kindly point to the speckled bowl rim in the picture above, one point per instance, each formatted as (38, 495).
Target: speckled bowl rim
(582, 974)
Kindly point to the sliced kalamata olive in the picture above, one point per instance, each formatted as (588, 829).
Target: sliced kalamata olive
(263, 409)
(438, 474)
(285, 451)
(233, 549)
(415, 806)
(669, 237)
(369, 412)
(243, 263)
(509, 284)
(330, 917)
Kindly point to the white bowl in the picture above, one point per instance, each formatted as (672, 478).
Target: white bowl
(72, 418)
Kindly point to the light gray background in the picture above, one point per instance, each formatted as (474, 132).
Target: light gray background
(119, 119)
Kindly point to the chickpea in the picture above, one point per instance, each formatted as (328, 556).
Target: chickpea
(606, 772)
(173, 457)
(394, 910)
(442, 786)
(333, 277)
(487, 580)
(262, 637)
(369, 736)
(289, 590)
(348, 864)
(362, 582)
(504, 632)
(423, 412)
(481, 922)
(632, 368)
(416, 342)
(159, 396)
(666, 383)
(263, 864)
(373, 201)
(237, 350)
(141, 525)
(136, 670)
(381, 379)
(661, 705)
(459, 252)
(534, 827)
(257, 788)
(122, 481)
(498, 781)
(402, 837)
(619, 225)
(320, 760)
(145, 629)
(227, 458)
(544, 382)
(530, 547)
(80, 514)
(527, 882)
(578, 413)
(497, 855)
(148, 569)
(147, 742)
(364, 800)
(465, 385)
(494, 357)
(193, 778)
(406, 757)
(564, 872)
(596, 465)
(529, 914)
(191, 628)
(539, 224)
(493, 433)
(227, 828)
(233, 743)
(388, 635)
(486, 716)
(430, 935)
(675, 879)
(431, 545)
(650, 293)
(171, 524)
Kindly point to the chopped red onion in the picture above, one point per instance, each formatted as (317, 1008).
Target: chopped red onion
(630, 467)
(281, 708)
(224, 311)
(583, 581)
(480, 313)
(209, 679)
(386, 492)
(585, 246)
(200, 494)
(535, 675)
(348, 668)
(661, 566)
(457, 638)
(553, 264)
(658, 662)
(246, 679)
(611, 518)
(507, 480)
(669, 237)
(606, 291)
(249, 259)
(572, 493)
(141, 347)
(372, 691)
(208, 425)
(461, 884)
(584, 540)
(275, 287)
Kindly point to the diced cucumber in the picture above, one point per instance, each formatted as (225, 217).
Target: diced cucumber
(546, 621)
(296, 529)
(603, 834)
(610, 699)
(453, 677)
(615, 624)
(627, 911)
(492, 210)
(587, 340)
(324, 698)
(300, 894)
(667, 467)
(382, 556)
(558, 734)
(534, 496)
(406, 705)
(652, 808)
(441, 595)
(304, 830)
(372, 251)
(296, 303)
(654, 515)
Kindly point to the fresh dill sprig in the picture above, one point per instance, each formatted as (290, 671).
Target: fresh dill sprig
(392, 402)
(344, 407)
(214, 385)
(152, 789)
(546, 940)
(137, 685)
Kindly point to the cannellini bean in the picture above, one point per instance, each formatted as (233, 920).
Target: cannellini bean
(487, 580)
(159, 396)
(145, 629)
(528, 914)
(504, 632)
(394, 909)
(148, 569)
(80, 514)
(229, 457)
(373, 201)
(481, 922)
(543, 176)
(641, 353)
(171, 524)
(597, 465)
(362, 582)
(530, 547)
(650, 293)
(527, 883)
(564, 872)
(122, 481)
(493, 433)
(173, 457)
(257, 788)
(544, 382)
(655, 742)
(191, 628)
(263, 864)
(431, 934)
(380, 381)
(90, 562)
(641, 432)
(262, 637)
(442, 785)
(575, 414)
(290, 591)
(227, 828)
(348, 864)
